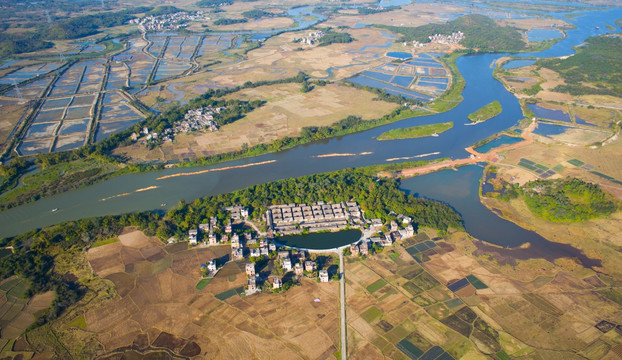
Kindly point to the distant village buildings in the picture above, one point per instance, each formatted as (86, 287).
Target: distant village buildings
(194, 120)
(452, 39)
(313, 37)
(173, 21)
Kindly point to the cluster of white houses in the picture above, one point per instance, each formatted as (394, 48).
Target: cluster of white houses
(313, 37)
(293, 218)
(320, 216)
(296, 262)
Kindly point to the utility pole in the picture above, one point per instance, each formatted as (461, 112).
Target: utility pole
(19, 92)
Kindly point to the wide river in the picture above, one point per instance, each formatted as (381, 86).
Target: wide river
(147, 191)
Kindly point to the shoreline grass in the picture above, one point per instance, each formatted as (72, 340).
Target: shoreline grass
(486, 112)
(416, 131)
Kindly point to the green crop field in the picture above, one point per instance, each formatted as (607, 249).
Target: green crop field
(202, 283)
(371, 314)
(377, 285)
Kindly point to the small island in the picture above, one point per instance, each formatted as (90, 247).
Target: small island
(416, 131)
(487, 112)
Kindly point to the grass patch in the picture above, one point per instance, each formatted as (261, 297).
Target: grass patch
(105, 242)
(477, 283)
(377, 285)
(416, 131)
(371, 314)
(454, 303)
(79, 322)
(425, 281)
(502, 355)
(412, 288)
(576, 162)
(486, 112)
(451, 98)
(229, 293)
(394, 255)
(612, 294)
(202, 283)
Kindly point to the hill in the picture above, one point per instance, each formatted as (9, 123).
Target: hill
(481, 34)
(596, 68)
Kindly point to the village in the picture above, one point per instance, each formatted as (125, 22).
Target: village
(313, 38)
(173, 21)
(194, 120)
(452, 39)
(272, 267)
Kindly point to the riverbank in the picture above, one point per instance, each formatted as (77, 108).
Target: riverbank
(475, 157)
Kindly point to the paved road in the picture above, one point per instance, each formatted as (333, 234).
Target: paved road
(342, 291)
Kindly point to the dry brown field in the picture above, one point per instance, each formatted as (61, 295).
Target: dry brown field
(286, 112)
(409, 15)
(534, 23)
(156, 307)
(11, 113)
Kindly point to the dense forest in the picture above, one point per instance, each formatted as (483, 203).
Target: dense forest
(21, 43)
(333, 37)
(481, 34)
(256, 14)
(213, 3)
(567, 200)
(598, 63)
(85, 25)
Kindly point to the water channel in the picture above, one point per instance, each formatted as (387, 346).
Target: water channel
(148, 191)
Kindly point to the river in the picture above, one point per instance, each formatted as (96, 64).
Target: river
(140, 192)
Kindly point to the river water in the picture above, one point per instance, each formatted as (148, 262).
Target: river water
(140, 192)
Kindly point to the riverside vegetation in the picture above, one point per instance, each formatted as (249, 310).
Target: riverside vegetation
(486, 112)
(598, 62)
(557, 200)
(416, 131)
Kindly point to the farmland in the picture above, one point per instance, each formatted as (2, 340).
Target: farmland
(156, 305)
(456, 299)
(286, 112)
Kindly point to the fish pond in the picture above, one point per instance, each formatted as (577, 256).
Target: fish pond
(320, 240)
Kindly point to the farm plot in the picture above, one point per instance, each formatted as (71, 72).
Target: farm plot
(117, 76)
(396, 325)
(181, 48)
(116, 115)
(139, 63)
(168, 68)
(29, 72)
(61, 124)
(402, 79)
(215, 44)
(31, 90)
(159, 304)
(17, 311)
